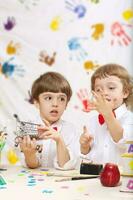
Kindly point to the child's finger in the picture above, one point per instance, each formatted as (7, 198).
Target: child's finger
(86, 135)
(33, 143)
(46, 122)
(85, 130)
(42, 129)
(45, 134)
(97, 96)
(27, 140)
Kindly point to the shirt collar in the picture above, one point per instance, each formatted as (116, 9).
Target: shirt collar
(57, 124)
(120, 111)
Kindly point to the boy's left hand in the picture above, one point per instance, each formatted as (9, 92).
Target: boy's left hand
(27, 145)
(102, 105)
(47, 132)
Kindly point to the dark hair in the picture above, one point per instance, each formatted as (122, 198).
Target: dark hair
(119, 71)
(50, 82)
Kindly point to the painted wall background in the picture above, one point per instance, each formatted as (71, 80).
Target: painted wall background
(73, 37)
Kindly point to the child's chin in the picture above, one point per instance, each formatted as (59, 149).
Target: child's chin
(53, 120)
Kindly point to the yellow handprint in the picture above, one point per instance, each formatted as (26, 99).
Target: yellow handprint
(98, 31)
(12, 48)
(55, 23)
(128, 14)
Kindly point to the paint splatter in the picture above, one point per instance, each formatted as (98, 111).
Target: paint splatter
(47, 191)
(12, 48)
(76, 50)
(98, 31)
(8, 69)
(77, 8)
(45, 58)
(90, 65)
(119, 35)
(128, 14)
(84, 98)
(55, 23)
(10, 23)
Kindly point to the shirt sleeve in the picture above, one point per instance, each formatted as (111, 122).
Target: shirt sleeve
(71, 164)
(127, 136)
(71, 139)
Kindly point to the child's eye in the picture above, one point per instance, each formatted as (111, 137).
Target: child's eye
(111, 88)
(62, 98)
(98, 90)
(47, 98)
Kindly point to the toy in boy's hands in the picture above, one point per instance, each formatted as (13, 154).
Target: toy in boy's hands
(110, 175)
(26, 128)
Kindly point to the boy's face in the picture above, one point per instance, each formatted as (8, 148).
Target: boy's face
(111, 88)
(51, 105)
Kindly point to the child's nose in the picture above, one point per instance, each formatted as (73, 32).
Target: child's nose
(55, 102)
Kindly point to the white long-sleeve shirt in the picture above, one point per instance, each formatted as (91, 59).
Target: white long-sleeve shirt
(104, 149)
(48, 156)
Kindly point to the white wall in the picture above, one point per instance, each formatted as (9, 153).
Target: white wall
(32, 32)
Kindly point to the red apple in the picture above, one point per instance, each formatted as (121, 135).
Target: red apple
(110, 175)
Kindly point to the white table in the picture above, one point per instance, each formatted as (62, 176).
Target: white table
(29, 184)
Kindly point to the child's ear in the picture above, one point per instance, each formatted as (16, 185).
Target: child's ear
(126, 94)
(36, 104)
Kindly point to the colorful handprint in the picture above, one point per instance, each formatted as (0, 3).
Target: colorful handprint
(10, 23)
(77, 8)
(76, 49)
(84, 98)
(12, 48)
(55, 23)
(45, 58)
(119, 34)
(98, 31)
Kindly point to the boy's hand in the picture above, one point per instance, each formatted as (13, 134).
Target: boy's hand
(47, 132)
(102, 105)
(27, 145)
(85, 141)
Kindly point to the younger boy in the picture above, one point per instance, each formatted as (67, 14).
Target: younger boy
(51, 93)
(110, 126)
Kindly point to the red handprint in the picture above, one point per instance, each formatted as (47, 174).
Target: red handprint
(83, 96)
(120, 35)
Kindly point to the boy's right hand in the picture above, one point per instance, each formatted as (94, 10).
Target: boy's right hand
(85, 141)
(27, 145)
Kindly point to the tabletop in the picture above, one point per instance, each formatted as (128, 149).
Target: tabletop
(48, 184)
